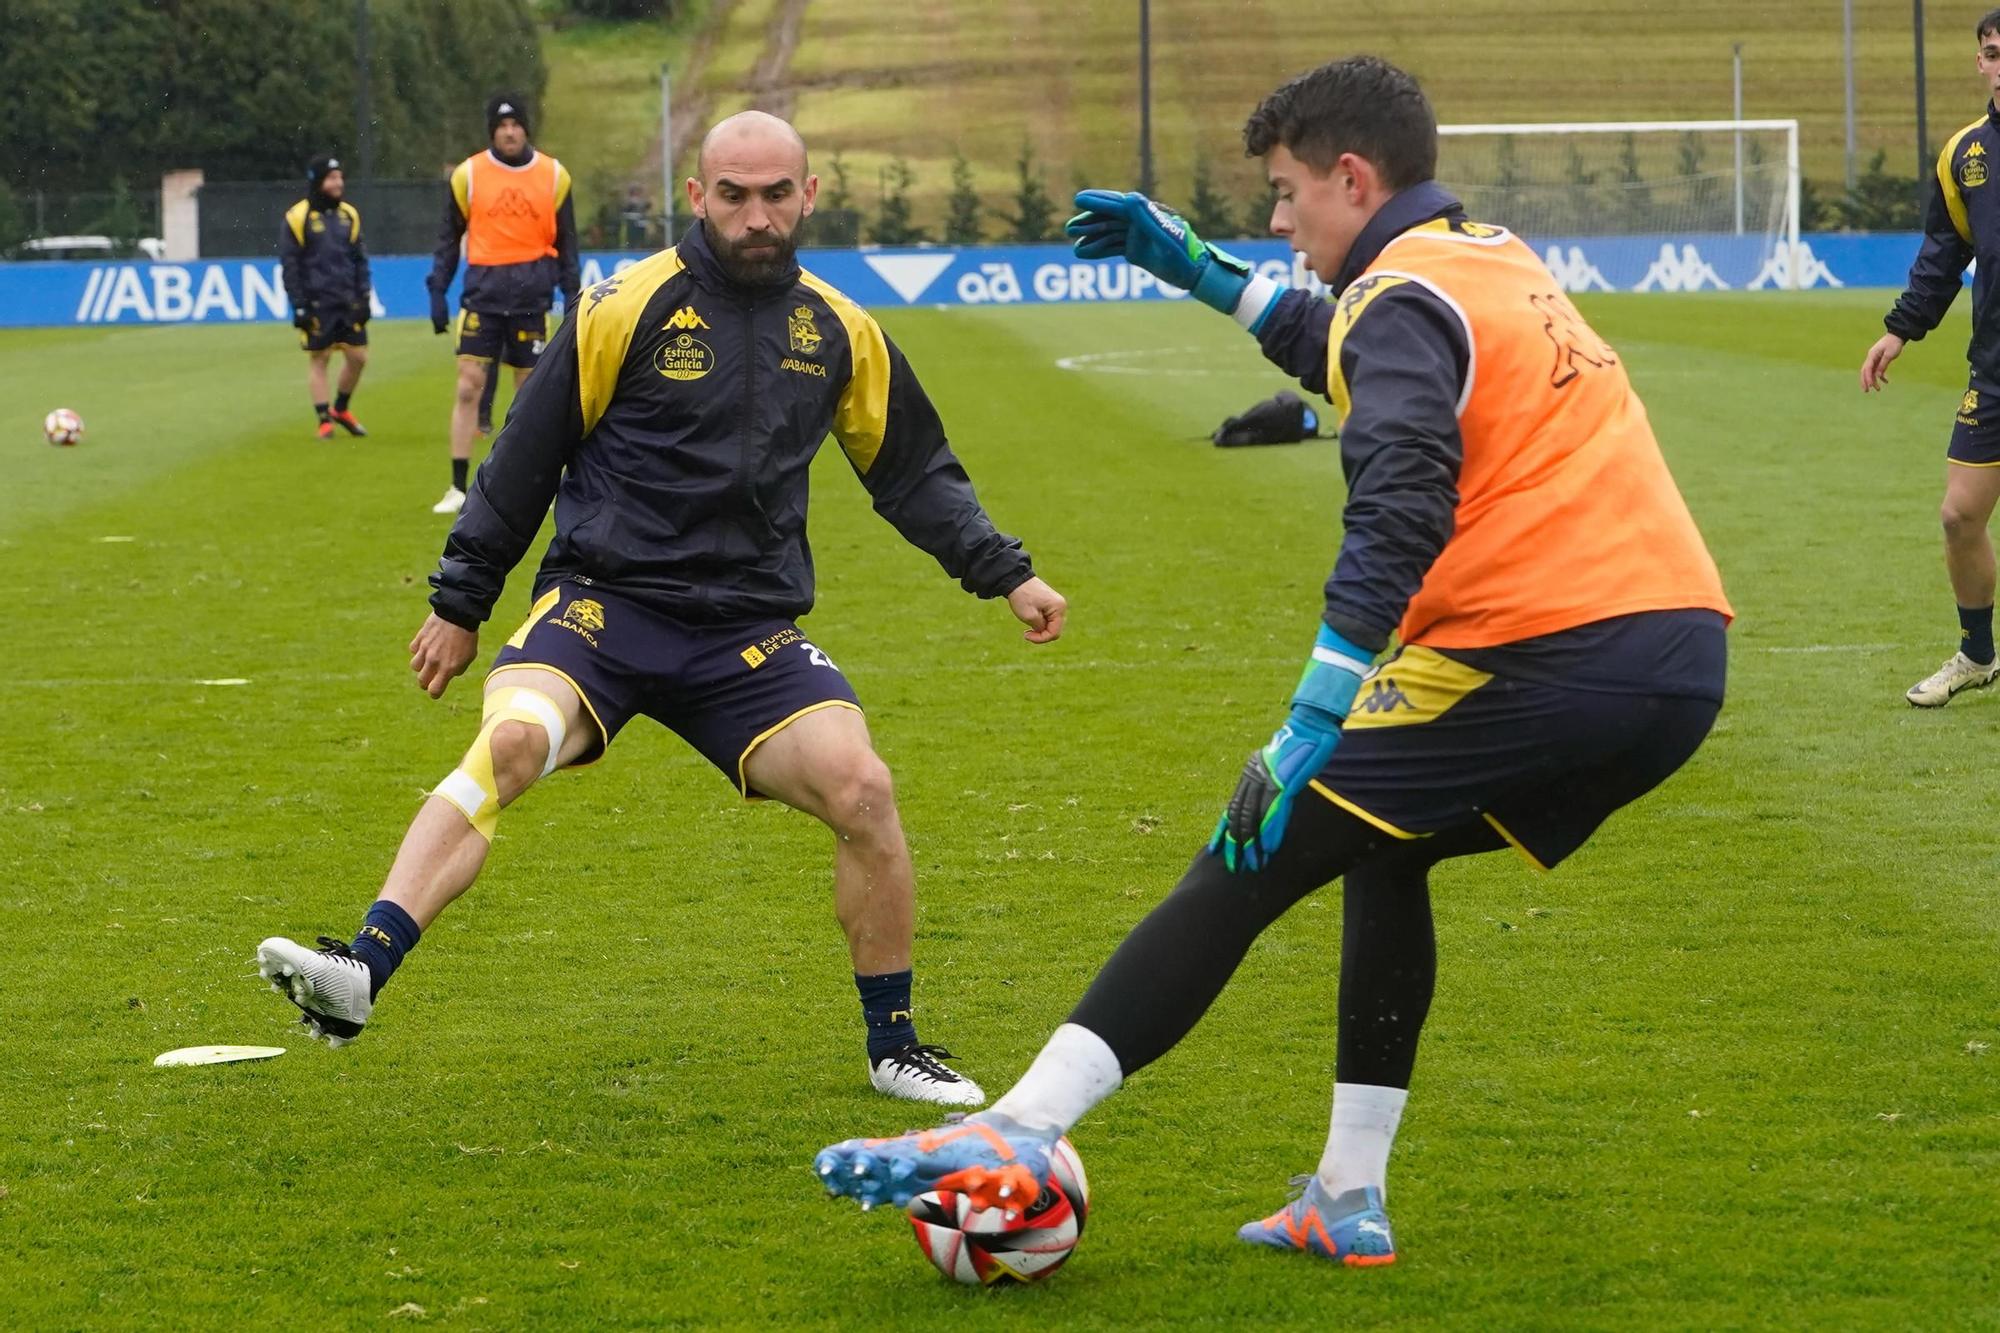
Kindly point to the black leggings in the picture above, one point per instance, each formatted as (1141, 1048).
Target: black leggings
(1162, 979)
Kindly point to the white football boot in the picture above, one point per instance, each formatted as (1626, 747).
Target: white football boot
(453, 501)
(1958, 673)
(916, 1074)
(329, 985)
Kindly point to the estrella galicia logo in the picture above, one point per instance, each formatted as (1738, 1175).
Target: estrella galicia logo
(1385, 697)
(1973, 170)
(684, 357)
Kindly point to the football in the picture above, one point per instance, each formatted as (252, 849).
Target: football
(982, 1246)
(63, 427)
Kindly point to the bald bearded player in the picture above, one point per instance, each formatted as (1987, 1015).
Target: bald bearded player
(677, 575)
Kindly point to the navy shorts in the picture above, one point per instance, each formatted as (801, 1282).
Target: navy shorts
(725, 689)
(1433, 743)
(329, 331)
(512, 340)
(1975, 433)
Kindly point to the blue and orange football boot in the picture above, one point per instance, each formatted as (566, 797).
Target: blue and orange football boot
(1349, 1227)
(991, 1160)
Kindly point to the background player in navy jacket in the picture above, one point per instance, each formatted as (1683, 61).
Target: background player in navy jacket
(1961, 224)
(326, 279)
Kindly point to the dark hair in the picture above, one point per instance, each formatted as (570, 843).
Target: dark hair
(1991, 23)
(1362, 105)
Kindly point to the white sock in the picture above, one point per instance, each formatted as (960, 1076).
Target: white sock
(1074, 1072)
(1365, 1118)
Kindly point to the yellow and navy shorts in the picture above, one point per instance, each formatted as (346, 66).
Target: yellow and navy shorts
(512, 340)
(1433, 743)
(723, 688)
(1975, 432)
(329, 331)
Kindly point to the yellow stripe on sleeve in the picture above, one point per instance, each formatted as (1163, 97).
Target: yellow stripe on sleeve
(295, 218)
(562, 182)
(1954, 201)
(353, 215)
(862, 418)
(461, 187)
(606, 324)
(1356, 299)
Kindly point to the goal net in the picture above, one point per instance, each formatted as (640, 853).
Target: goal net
(1639, 205)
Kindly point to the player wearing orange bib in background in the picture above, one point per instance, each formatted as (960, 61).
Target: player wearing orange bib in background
(510, 205)
(1510, 522)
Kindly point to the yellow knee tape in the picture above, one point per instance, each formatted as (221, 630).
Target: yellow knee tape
(472, 786)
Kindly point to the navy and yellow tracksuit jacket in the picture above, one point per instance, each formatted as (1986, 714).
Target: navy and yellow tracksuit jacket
(1961, 224)
(673, 419)
(319, 248)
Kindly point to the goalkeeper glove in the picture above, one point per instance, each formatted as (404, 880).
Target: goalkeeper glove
(440, 316)
(1251, 829)
(1160, 241)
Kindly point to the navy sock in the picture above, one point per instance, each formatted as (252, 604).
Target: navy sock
(1975, 632)
(885, 1004)
(319, 410)
(459, 468)
(385, 936)
(340, 401)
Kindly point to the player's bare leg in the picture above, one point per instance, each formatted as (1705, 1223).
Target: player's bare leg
(441, 854)
(472, 371)
(825, 765)
(316, 386)
(353, 361)
(1970, 494)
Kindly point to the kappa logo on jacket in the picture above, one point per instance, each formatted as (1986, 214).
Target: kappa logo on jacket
(685, 318)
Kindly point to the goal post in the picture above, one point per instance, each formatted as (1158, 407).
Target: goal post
(1645, 205)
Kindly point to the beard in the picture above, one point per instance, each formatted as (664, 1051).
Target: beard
(757, 270)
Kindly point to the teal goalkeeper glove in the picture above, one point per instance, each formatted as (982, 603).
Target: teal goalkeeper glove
(1251, 829)
(1160, 241)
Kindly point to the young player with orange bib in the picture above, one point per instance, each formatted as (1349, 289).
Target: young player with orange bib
(1509, 522)
(510, 207)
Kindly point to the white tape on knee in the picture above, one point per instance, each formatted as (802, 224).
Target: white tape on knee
(543, 709)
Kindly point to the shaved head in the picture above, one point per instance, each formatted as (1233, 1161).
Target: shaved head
(752, 195)
(753, 142)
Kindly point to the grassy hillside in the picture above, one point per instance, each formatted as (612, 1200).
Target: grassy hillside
(877, 81)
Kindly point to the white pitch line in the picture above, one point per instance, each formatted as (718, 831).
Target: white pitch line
(1840, 648)
(1102, 363)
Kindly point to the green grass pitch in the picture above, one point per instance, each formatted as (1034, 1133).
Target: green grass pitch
(1736, 1064)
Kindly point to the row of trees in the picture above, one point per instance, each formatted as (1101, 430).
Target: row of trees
(1584, 201)
(247, 89)
(1034, 214)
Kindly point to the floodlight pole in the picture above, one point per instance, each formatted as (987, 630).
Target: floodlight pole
(1736, 57)
(1923, 135)
(667, 152)
(1847, 48)
(364, 139)
(1145, 97)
